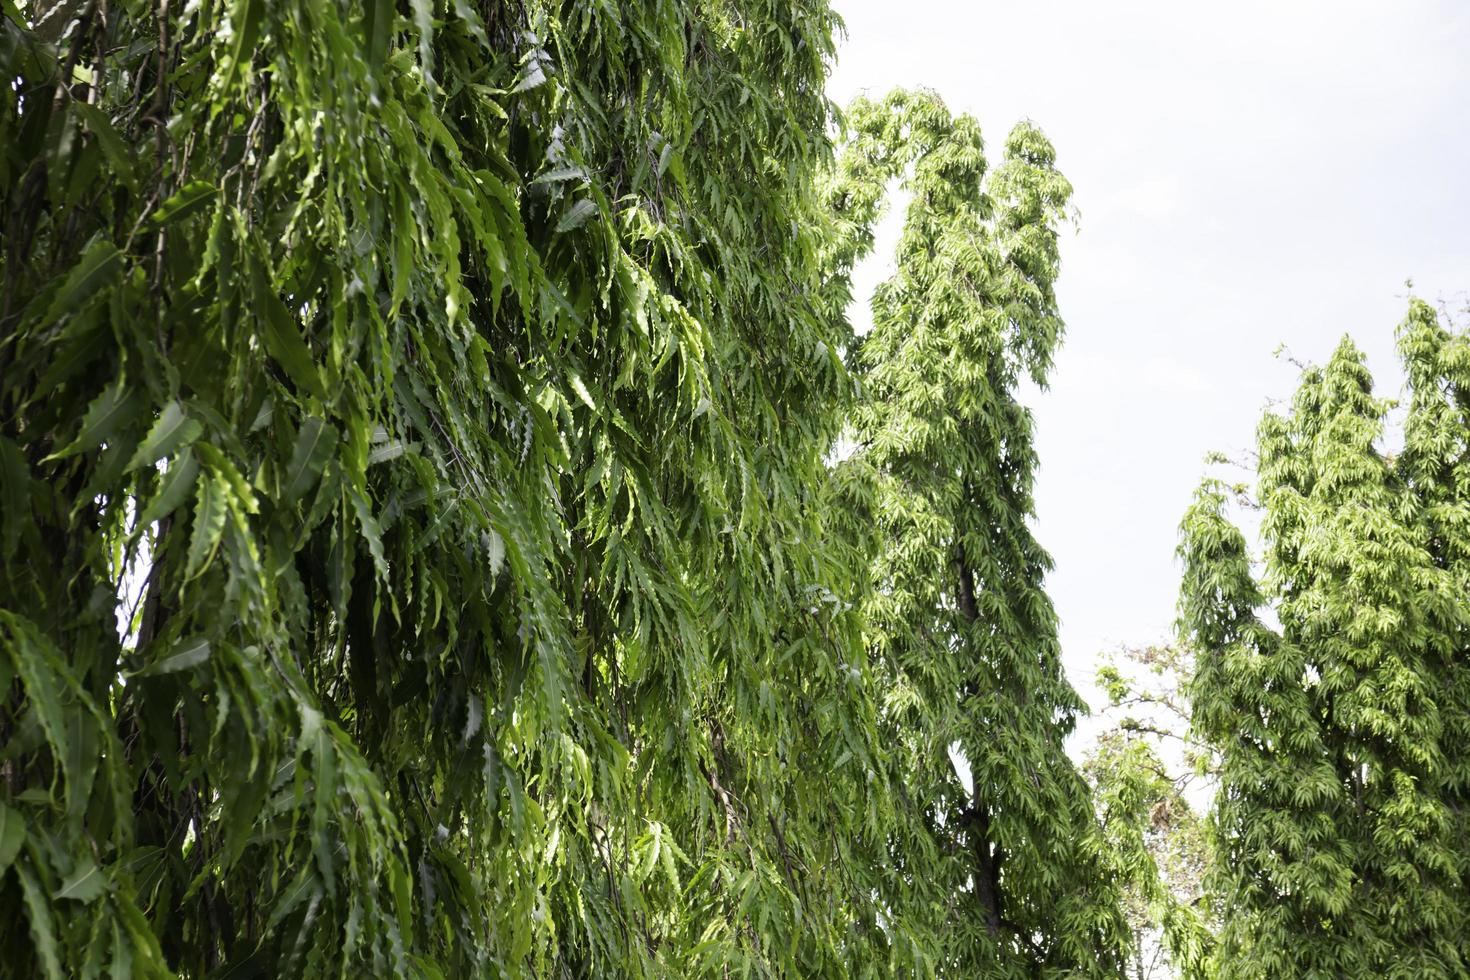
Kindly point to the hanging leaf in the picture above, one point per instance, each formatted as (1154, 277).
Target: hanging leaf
(577, 215)
(177, 485)
(109, 412)
(315, 443)
(189, 200)
(172, 430)
(209, 523)
(42, 925)
(185, 654)
(85, 884)
(99, 264)
(119, 155)
(282, 336)
(12, 835)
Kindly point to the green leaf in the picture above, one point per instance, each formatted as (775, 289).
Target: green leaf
(580, 387)
(109, 411)
(577, 215)
(15, 497)
(423, 20)
(209, 524)
(466, 12)
(558, 174)
(188, 200)
(533, 76)
(38, 664)
(84, 884)
(377, 21)
(391, 449)
(119, 154)
(245, 18)
(43, 929)
(178, 482)
(12, 835)
(84, 755)
(170, 431)
(100, 262)
(371, 532)
(282, 334)
(185, 654)
(315, 443)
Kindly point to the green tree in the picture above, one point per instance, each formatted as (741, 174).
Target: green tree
(451, 385)
(1142, 768)
(453, 375)
(1340, 822)
(1007, 872)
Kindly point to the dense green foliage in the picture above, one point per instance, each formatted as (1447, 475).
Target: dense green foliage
(1008, 872)
(1343, 808)
(445, 391)
(456, 375)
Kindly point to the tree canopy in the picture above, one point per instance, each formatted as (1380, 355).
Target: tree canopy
(963, 636)
(449, 526)
(420, 550)
(1340, 819)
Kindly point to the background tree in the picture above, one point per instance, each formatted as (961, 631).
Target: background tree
(1145, 769)
(1340, 821)
(1007, 866)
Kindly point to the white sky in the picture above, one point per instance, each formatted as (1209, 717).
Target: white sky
(1249, 175)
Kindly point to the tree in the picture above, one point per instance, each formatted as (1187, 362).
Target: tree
(452, 376)
(1141, 768)
(451, 384)
(1007, 864)
(1341, 817)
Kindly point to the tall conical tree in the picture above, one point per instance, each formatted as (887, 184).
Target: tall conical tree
(1339, 821)
(962, 632)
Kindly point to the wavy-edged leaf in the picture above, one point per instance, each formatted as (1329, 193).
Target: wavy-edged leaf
(43, 927)
(282, 334)
(371, 532)
(12, 835)
(209, 523)
(41, 672)
(389, 450)
(188, 200)
(423, 21)
(119, 155)
(577, 215)
(109, 411)
(84, 752)
(176, 486)
(172, 430)
(85, 884)
(187, 653)
(377, 23)
(315, 442)
(557, 175)
(100, 262)
(245, 18)
(466, 12)
(533, 76)
(580, 387)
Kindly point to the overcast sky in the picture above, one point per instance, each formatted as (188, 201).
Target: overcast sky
(1249, 175)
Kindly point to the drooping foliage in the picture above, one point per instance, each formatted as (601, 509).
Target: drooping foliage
(1000, 871)
(418, 555)
(450, 382)
(1341, 816)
